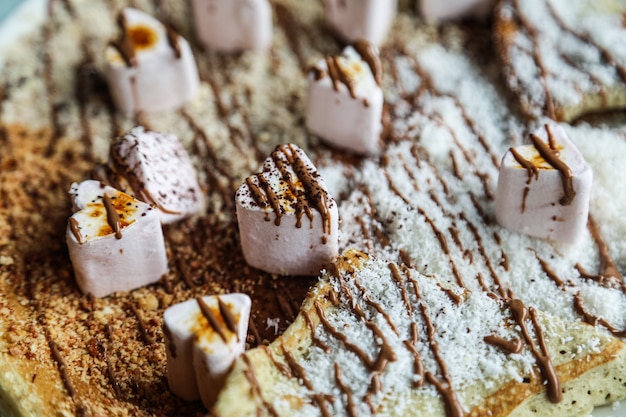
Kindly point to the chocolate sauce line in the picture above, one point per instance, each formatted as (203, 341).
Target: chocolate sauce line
(288, 23)
(316, 340)
(481, 249)
(282, 368)
(364, 296)
(211, 165)
(536, 55)
(81, 93)
(397, 278)
(594, 320)
(350, 406)
(143, 329)
(113, 218)
(520, 314)
(229, 318)
(445, 387)
(300, 373)
(552, 158)
(55, 109)
(508, 346)
(608, 269)
(256, 387)
(208, 314)
(369, 54)
(302, 203)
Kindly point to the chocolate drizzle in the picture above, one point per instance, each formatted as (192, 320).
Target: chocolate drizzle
(509, 346)
(552, 158)
(520, 315)
(113, 218)
(209, 315)
(75, 229)
(229, 318)
(369, 54)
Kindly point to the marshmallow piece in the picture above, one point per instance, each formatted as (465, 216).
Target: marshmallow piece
(345, 101)
(115, 242)
(435, 11)
(287, 219)
(354, 20)
(202, 343)
(155, 168)
(544, 188)
(233, 25)
(150, 68)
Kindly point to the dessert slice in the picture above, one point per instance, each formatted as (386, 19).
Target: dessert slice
(380, 338)
(287, 219)
(233, 25)
(150, 67)
(544, 188)
(115, 242)
(345, 101)
(354, 20)
(155, 168)
(204, 336)
(563, 59)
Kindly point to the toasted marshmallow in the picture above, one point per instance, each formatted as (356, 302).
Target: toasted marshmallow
(155, 168)
(233, 25)
(353, 20)
(150, 67)
(345, 101)
(287, 219)
(544, 188)
(115, 242)
(435, 11)
(204, 336)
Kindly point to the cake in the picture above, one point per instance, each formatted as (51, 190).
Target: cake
(420, 211)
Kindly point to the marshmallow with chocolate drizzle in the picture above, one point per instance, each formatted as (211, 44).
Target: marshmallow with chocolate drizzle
(155, 168)
(149, 67)
(440, 11)
(345, 100)
(544, 188)
(115, 241)
(203, 337)
(353, 20)
(233, 25)
(287, 219)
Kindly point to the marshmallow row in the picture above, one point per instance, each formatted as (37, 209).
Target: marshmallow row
(355, 20)
(434, 11)
(115, 242)
(149, 67)
(544, 188)
(345, 100)
(233, 25)
(204, 336)
(155, 168)
(287, 219)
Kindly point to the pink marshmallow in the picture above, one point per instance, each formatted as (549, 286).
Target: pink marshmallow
(345, 101)
(355, 20)
(440, 11)
(150, 67)
(287, 219)
(233, 25)
(547, 197)
(155, 168)
(202, 345)
(115, 242)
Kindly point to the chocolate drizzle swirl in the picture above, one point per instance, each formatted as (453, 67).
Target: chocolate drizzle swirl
(552, 158)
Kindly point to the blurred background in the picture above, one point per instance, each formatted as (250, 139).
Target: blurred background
(6, 6)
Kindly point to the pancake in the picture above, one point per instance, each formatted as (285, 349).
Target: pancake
(425, 202)
(561, 59)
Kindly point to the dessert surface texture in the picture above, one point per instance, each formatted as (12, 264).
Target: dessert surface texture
(431, 309)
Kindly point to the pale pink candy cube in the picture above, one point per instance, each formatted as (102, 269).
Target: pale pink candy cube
(115, 242)
(150, 67)
(545, 197)
(440, 11)
(233, 25)
(355, 20)
(345, 102)
(155, 168)
(288, 221)
(203, 337)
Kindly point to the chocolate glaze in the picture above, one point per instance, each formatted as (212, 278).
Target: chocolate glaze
(113, 217)
(369, 54)
(209, 315)
(566, 173)
(509, 346)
